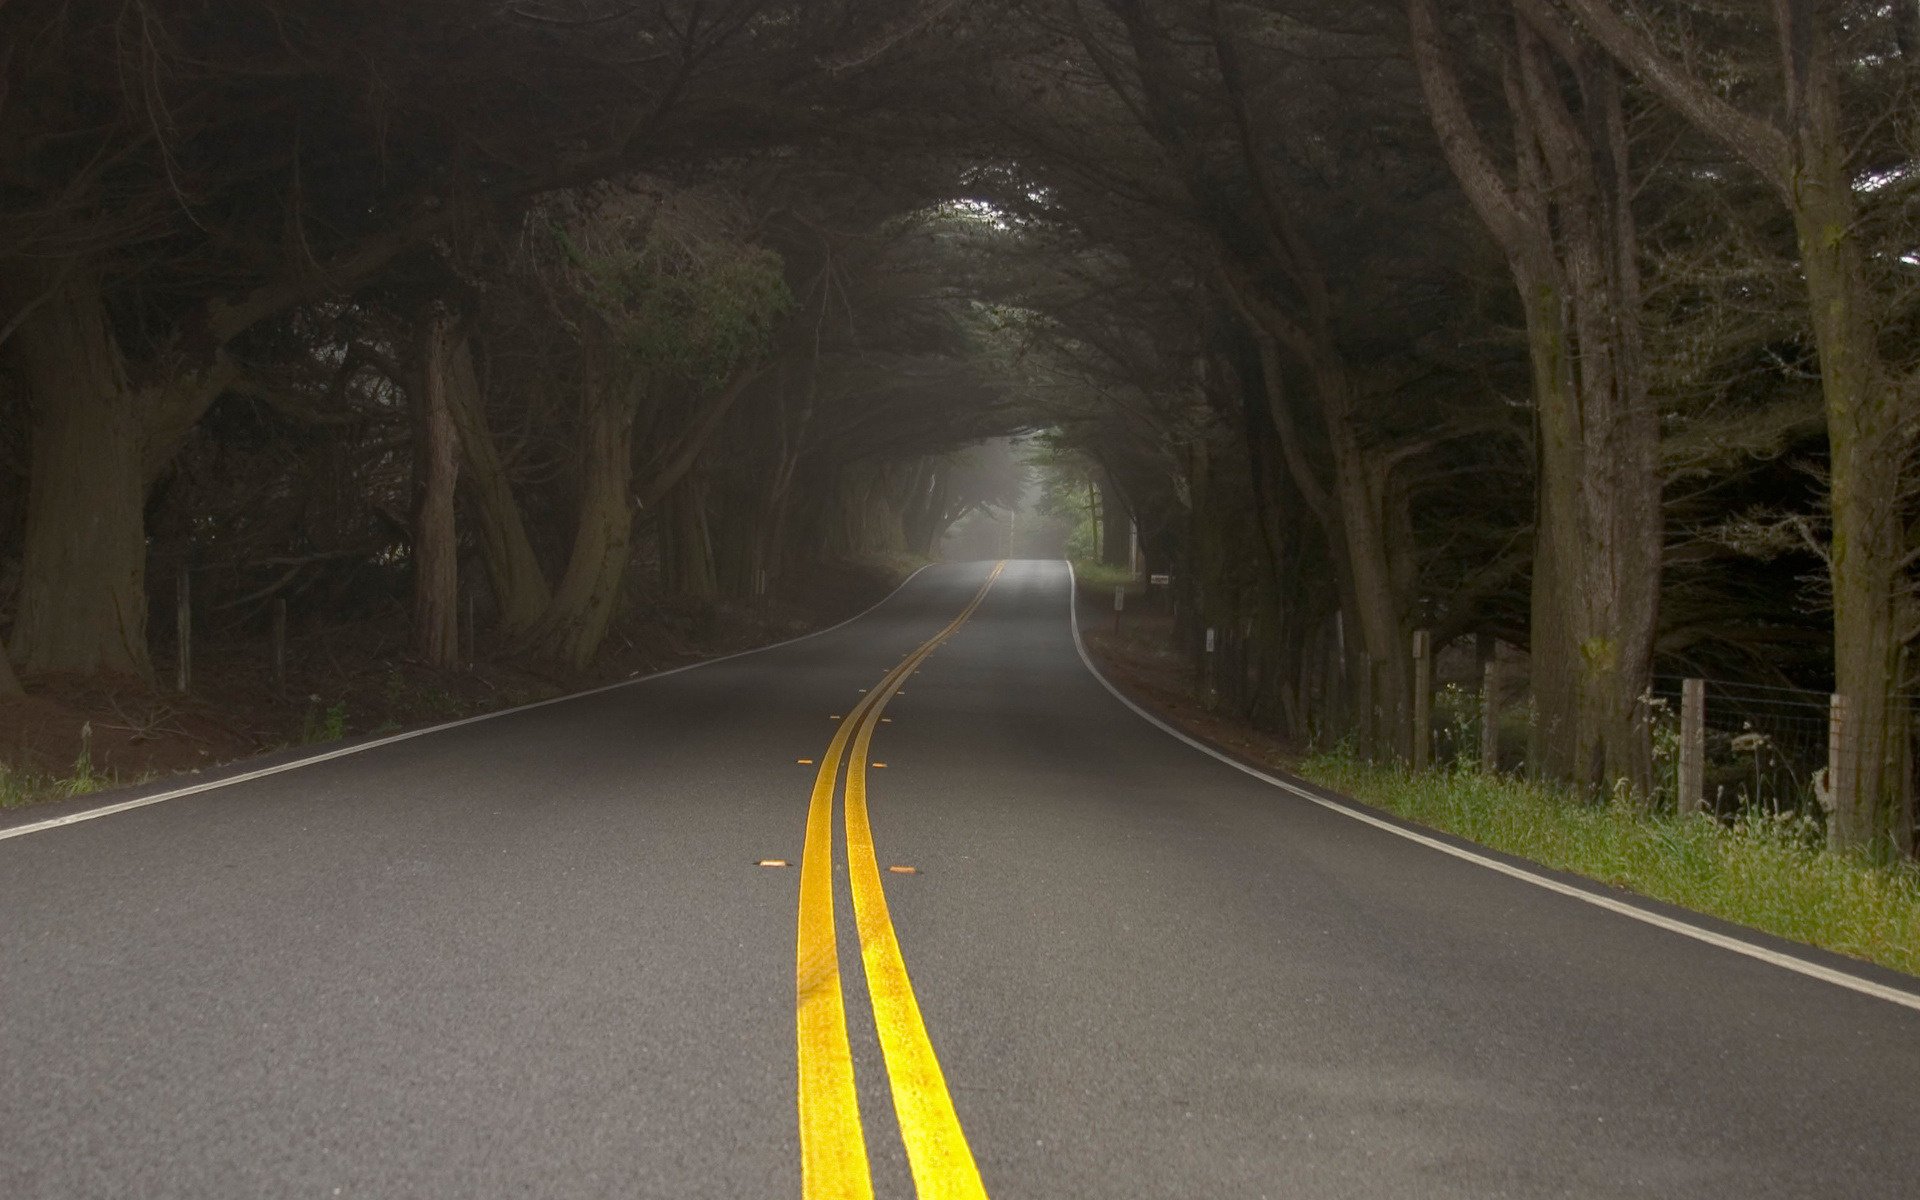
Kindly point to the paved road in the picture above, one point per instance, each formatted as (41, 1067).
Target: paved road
(534, 956)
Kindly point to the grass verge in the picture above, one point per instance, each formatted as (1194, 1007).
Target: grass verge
(1773, 875)
(19, 788)
(1101, 577)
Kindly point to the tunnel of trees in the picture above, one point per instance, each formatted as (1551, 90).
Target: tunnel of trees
(1589, 327)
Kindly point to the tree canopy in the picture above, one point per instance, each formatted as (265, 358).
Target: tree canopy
(1579, 325)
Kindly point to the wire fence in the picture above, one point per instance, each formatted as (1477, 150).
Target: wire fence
(1732, 748)
(1763, 747)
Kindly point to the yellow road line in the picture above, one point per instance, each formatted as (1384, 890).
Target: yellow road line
(833, 1153)
(937, 1151)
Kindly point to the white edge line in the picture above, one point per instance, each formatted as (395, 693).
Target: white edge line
(1866, 987)
(360, 747)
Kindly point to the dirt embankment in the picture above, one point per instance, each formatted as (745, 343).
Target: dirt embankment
(70, 735)
(1139, 658)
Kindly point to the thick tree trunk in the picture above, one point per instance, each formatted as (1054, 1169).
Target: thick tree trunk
(1554, 626)
(1601, 442)
(924, 516)
(576, 621)
(770, 543)
(436, 579)
(1566, 225)
(1864, 413)
(867, 524)
(1804, 158)
(83, 602)
(1368, 533)
(519, 586)
(686, 545)
(1375, 561)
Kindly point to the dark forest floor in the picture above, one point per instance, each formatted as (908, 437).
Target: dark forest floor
(69, 736)
(1140, 660)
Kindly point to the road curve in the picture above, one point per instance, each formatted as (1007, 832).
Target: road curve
(536, 956)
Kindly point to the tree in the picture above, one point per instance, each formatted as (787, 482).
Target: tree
(1806, 157)
(1563, 216)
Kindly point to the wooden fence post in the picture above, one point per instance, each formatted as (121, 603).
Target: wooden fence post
(1363, 710)
(280, 643)
(1422, 700)
(1207, 672)
(1490, 716)
(1690, 794)
(183, 628)
(1840, 767)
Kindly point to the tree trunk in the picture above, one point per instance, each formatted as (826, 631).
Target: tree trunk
(1373, 553)
(1804, 158)
(776, 510)
(1600, 441)
(9, 682)
(686, 547)
(576, 621)
(1361, 516)
(520, 590)
(436, 556)
(923, 518)
(1864, 413)
(83, 602)
(1566, 225)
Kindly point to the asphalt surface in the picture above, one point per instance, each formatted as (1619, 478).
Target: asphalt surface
(533, 956)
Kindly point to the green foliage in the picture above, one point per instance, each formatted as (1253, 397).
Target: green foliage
(19, 788)
(1067, 492)
(1456, 725)
(689, 310)
(1773, 873)
(324, 725)
(1101, 577)
(84, 778)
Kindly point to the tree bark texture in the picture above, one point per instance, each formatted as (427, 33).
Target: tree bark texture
(436, 458)
(1803, 156)
(576, 620)
(83, 601)
(1565, 222)
(686, 544)
(1866, 450)
(520, 590)
(1362, 515)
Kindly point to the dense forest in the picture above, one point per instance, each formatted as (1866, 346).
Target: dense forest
(1587, 328)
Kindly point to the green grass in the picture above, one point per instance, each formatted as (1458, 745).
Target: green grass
(323, 725)
(1102, 577)
(20, 788)
(1771, 874)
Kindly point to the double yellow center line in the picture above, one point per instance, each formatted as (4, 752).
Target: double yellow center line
(833, 1150)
